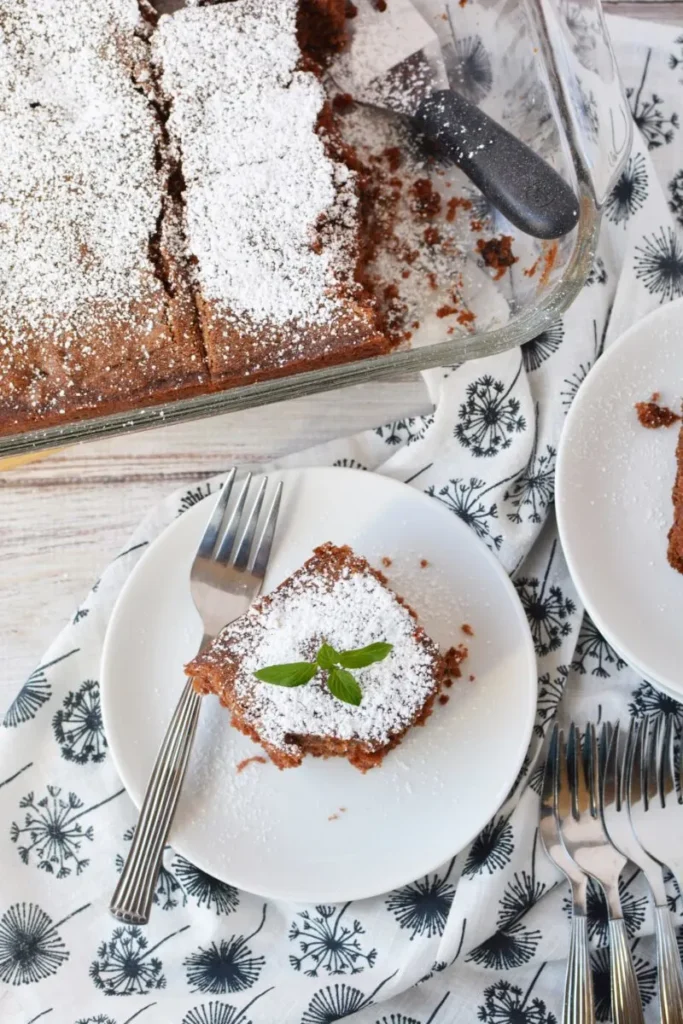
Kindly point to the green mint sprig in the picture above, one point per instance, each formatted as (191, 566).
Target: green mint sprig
(340, 682)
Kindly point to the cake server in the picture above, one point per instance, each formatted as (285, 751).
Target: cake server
(394, 61)
(226, 575)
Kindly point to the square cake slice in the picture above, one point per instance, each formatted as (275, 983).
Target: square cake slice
(95, 308)
(337, 598)
(273, 218)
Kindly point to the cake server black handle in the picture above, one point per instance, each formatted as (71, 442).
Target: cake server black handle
(513, 178)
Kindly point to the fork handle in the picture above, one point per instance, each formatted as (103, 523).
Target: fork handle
(627, 1007)
(669, 969)
(132, 899)
(579, 1006)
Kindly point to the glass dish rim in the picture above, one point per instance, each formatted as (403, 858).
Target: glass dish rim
(529, 323)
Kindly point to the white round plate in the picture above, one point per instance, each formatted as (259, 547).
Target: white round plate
(613, 498)
(284, 834)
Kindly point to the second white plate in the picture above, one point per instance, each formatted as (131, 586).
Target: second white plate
(324, 832)
(613, 498)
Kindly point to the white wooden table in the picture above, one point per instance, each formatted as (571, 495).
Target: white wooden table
(62, 519)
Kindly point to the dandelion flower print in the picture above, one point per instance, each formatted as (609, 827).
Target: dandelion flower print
(125, 966)
(31, 948)
(629, 193)
(35, 692)
(659, 264)
(208, 891)
(78, 725)
(465, 499)
(423, 906)
(326, 942)
(218, 1012)
(470, 67)
(228, 965)
(489, 417)
(491, 850)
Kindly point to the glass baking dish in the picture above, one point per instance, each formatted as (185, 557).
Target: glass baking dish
(546, 71)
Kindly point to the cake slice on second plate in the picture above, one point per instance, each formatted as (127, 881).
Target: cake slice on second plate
(335, 598)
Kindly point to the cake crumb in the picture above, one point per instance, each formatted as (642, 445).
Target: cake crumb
(444, 698)
(251, 760)
(423, 563)
(471, 678)
(497, 254)
(333, 817)
(467, 629)
(394, 157)
(453, 658)
(426, 200)
(386, 561)
(454, 204)
(653, 415)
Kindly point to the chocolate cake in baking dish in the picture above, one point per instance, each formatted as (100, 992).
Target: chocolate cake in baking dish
(177, 210)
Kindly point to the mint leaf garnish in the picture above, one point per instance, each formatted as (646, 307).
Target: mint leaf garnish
(364, 656)
(295, 674)
(342, 684)
(327, 657)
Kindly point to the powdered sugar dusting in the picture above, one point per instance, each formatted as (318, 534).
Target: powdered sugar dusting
(79, 192)
(352, 610)
(258, 179)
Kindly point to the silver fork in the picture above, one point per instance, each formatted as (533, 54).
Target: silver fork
(659, 828)
(586, 841)
(618, 792)
(578, 1005)
(224, 580)
(655, 817)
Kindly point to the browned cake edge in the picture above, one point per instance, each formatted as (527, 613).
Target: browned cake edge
(212, 673)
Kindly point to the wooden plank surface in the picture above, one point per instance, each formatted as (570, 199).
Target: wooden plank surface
(63, 518)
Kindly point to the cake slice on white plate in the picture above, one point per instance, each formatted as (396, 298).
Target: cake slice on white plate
(331, 663)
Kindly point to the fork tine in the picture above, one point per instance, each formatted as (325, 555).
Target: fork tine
(208, 541)
(241, 557)
(575, 774)
(667, 784)
(228, 539)
(651, 766)
(610, 790)
(592, 768)
(266, 539)
(635, 764)
(550, 773)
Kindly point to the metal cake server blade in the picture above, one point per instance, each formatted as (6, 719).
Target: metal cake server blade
(394, 61)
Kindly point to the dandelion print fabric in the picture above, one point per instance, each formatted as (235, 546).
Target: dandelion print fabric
(485, 936)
